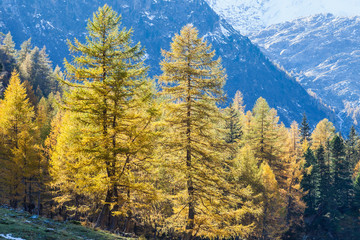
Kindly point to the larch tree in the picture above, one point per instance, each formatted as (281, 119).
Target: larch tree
(271, 224)
(192, 81)
(25, 49)
(113, 99)
(263, 134)
(20, 139)
(295, 205)
(322, 134)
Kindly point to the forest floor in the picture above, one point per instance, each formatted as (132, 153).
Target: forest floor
(18, 225)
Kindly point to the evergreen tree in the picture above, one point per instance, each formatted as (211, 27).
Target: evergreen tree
(8, 45)
(305, 132)
(308, 182)
(233, 121)
(352, 148)
(193, 83)
(342, 174)
(323, 201)
(111, 99)
(36, 69)
(7, 59)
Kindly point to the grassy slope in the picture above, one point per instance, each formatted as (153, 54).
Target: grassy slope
(22, 225)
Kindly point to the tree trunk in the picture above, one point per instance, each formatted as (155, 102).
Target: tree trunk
(106, 220)
(190, 188)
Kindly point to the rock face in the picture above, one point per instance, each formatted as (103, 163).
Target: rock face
(251, 16)
(323, 52)
(51, 22)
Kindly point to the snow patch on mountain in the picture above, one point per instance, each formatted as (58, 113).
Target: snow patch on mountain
(323, 52)
(249, 16)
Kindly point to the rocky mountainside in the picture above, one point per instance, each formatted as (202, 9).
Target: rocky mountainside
(323, 52)
(154, 23)
(251, 16)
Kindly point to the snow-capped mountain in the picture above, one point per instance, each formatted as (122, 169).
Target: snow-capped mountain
(154, 23)
(250, 16)
(323, 52)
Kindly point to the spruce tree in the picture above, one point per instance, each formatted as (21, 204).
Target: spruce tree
(305, 131)
(233, 123)
(342, 174)
(308, 182)
(111, 97)
(352, 145)
(193, 83)
(323, 201)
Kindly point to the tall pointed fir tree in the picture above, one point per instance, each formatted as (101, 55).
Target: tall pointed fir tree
(203, 202)
(352, 145)
(111, 97)
(305, 131)
(323, 195)
(234, 117)
(20, 139)
(308, 182)
(342, 184)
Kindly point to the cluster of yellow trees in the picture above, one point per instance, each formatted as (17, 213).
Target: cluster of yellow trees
(126, 154)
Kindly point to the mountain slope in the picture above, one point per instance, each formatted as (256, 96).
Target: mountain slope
(323, 52)
(251, 16)
(154, 23)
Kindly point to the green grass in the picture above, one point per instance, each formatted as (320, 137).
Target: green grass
(21, 225)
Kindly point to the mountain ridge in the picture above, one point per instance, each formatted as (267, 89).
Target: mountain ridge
(154, 23)
(322, 52)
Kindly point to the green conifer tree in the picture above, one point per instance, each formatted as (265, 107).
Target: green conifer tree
(342, 174)
(305, 131)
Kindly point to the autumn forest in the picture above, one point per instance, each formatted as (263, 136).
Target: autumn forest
(102, 143)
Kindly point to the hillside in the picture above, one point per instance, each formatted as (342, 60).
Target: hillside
(322, 51)
(252, 16)
(23, 226)
(154, 23)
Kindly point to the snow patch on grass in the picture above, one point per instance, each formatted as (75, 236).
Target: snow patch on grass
(8, 236)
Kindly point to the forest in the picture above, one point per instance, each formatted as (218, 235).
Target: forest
(104, 144)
